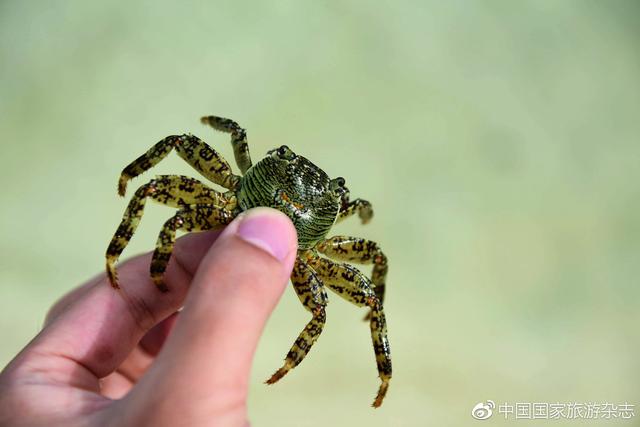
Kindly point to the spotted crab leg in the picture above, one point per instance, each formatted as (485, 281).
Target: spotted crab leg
(193, 150)
(313, 297)
(356, 288)
(171, 190)
(238, 139)
(362, 251)
(198, 217)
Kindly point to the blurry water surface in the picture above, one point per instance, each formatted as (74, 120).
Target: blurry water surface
(497, 141)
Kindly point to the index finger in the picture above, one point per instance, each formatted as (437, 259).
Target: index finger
(96, 326)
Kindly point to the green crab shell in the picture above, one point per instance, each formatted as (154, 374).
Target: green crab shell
(296, 187)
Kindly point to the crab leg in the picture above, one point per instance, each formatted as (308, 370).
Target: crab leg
(313, 296)
(356, 288)
(362, 251)
(193, 150)
(238, 139)
(170, 190)
(197, 217)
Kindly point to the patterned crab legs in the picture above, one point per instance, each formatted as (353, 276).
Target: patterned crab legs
(312, 272)
(201, 208)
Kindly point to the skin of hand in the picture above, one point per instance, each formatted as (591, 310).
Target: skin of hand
(105, 357)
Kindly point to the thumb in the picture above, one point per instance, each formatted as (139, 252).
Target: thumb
(203, 369)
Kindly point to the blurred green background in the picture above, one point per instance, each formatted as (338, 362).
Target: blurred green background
(498, 142)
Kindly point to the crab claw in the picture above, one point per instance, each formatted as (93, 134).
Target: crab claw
(366, 212)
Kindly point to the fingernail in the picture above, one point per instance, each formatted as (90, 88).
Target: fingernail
(268, 230)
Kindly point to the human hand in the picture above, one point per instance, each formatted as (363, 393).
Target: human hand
(106, 358)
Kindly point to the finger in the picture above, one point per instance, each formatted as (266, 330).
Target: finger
(205, 363)
(119, 383)
(135, 365)
(115, 385)
(67, 300)
(153, 341)
(188, 250)
(97, 327)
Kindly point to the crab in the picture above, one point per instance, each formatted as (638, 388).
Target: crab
(282, 180)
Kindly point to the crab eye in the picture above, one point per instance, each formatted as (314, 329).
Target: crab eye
(283, 153)
(337, 184)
